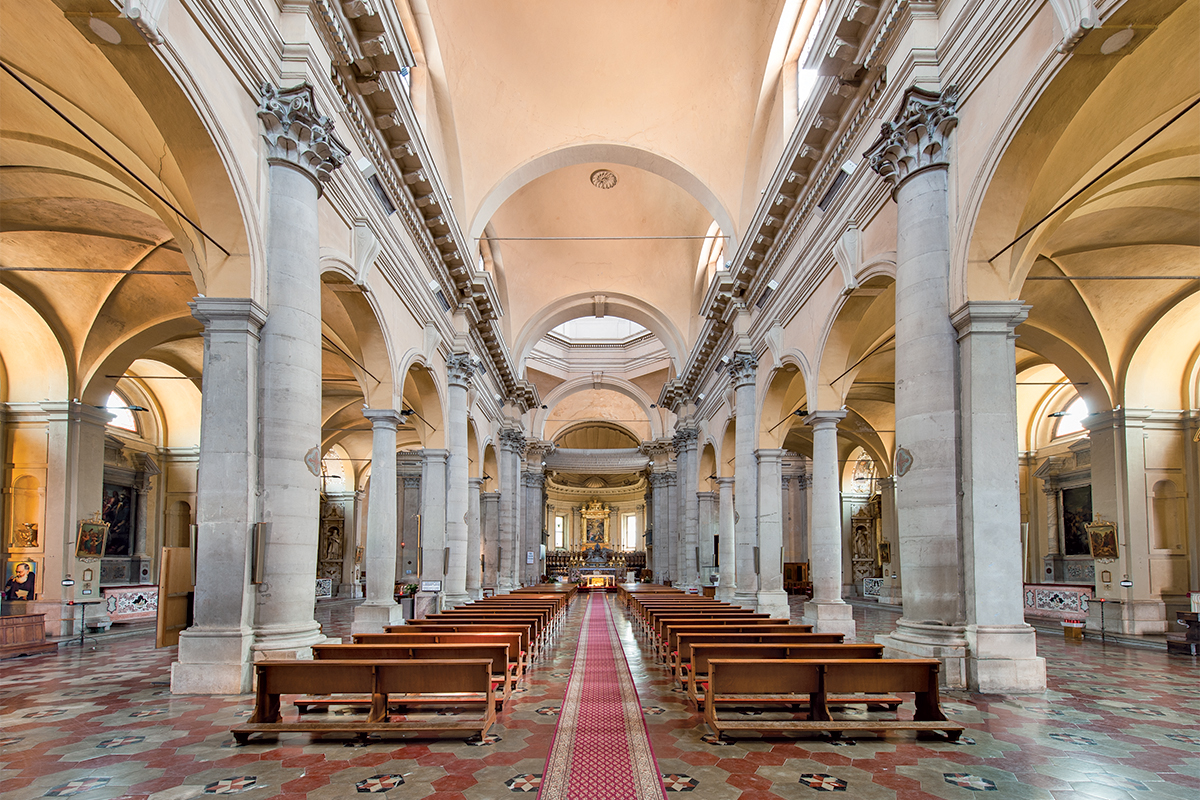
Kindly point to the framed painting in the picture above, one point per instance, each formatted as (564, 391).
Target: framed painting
(22, 578)
(91, 539)
(1102, 537)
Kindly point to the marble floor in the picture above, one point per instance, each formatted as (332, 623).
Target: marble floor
(1116, 722)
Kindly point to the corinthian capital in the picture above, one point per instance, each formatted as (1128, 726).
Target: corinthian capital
(512, 439)
(460, 367)
(296, 134)
(742, 367)
(916, 138)
(685, 438)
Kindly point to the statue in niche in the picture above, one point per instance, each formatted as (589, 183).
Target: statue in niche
(333, 543)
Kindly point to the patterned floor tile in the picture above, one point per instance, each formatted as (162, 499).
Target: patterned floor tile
(526, 782)
(77, 786)
(969, 781)
(378, 783)
(822, 782)
(233, 785)
(677, 782)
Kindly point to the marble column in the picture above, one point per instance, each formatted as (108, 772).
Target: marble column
(533, 514)
(658, 503)
(890, 590)
(726, 569)
(433, 531)
(707, 535)
(671, 515)
(911, 154)
(489, 515)
(1002, 653)
(459, 369)
(512, 447)
(214, 653)
(1052, 563)
(1119, 495)
(687, 465)
(380, 607)
(474, 539)
(576, 529)
(409, 533)
(827, 612)
(743, 368)
(301, 152)
(771, 597)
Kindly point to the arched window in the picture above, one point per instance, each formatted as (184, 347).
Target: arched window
(120, 408)
(1070, 419)
(712, 253)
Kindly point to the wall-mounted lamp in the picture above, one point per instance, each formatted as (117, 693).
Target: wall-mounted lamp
(653, 405)
(1057, 414)
(68, 581)
(1125, 582)
(487, 477)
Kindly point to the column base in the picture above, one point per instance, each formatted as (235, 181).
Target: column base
(1003, 659)
(370, 618)
(892, 595)
(724, 594)
(1137, 617)
(213, 662)
(426, 603)
(775, 603)
(475, 593)
(287, 641)
(835, 617)
(458, 599)
(95, 616)
(946, 643)
(745, 599)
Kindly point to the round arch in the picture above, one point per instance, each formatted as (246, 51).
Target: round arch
(583, 305)
(584, 383)
(607, 152)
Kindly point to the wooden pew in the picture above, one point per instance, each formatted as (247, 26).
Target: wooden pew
(684, 638)
(744, 681)
(516, 666)
(660, 632)
(525, 630)
(703, 654)
(496, 652)
(540, 619)
(380, 680)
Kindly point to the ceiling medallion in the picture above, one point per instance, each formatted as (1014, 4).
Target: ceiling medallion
(604, 179)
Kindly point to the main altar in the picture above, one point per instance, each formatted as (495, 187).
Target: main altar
(599, 566)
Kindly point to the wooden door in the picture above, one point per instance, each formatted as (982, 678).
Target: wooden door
(174, 588)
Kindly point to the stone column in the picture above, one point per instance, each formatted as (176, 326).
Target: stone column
(459, 368)
(890, 589)
(1002, 654)
(576, 529)
(727, 566)
(742, 369)
(658, 502)
(911, 154)
(409, 533)
(671, 515)
(474, 539)
(380, 607)
(433, 531)
(489, 513)
(771, 597)
(512, 447)
(532, 516)
(301, 151)
(687, 465)
(214, 654)
(708, 529)
(1052, 563)
(1119, 495)
(826, 612)
(74, 492)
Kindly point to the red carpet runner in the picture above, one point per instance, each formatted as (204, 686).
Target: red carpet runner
(601, 750)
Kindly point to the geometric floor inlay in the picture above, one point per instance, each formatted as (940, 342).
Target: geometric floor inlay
(233, 785)
(822, 782)
(379, 783)
(968, 781)
(76, 786)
